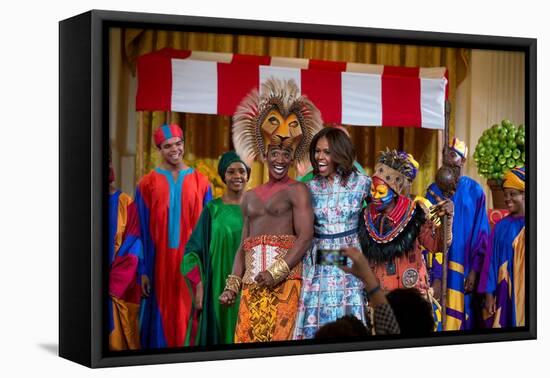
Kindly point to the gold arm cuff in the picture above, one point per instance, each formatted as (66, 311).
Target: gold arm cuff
(233, 283)
(279, 270)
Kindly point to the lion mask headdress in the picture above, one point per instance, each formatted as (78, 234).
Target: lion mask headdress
(278, 115)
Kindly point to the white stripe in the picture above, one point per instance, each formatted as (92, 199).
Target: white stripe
(361, 99)
(194, 86)
(432, 72)
(281, 73)
(432, 103)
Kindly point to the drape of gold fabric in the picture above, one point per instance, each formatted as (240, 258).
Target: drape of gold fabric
(209, 136)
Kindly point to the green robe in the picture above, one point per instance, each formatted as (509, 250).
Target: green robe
(212, 248)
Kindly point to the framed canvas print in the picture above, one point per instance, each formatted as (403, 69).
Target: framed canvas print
(234, 188)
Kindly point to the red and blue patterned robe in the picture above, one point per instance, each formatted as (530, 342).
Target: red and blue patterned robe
(168, 210)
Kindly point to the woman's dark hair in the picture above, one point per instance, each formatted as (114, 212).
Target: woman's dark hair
(342, 151)
(413, 312)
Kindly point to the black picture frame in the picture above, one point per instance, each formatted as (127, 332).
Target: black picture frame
(83, 152)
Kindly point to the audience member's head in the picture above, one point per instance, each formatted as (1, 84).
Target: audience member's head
(345, 327)
(412, 311)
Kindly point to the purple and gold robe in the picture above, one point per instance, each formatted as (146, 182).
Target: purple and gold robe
(503, 273)
(467, 250)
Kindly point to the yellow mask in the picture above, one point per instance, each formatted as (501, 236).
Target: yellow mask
(281, 131)
(379, 192)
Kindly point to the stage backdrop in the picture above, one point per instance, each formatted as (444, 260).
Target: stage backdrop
(207, 136)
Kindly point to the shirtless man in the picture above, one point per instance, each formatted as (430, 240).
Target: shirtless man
(277, 216)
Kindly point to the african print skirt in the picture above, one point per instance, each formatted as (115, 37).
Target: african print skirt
(267, 314)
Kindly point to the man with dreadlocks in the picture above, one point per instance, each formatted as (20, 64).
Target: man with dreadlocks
(394, 229)
(277, 126)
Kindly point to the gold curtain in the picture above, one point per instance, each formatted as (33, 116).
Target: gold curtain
(209, 136)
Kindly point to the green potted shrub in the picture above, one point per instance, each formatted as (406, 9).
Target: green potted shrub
(499, 149)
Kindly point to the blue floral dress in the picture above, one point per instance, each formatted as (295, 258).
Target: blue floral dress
(328, 293)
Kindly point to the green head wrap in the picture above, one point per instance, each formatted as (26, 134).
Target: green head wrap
(226, 160)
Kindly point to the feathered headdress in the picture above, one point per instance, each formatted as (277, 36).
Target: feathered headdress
(394, 168)
(277, 115)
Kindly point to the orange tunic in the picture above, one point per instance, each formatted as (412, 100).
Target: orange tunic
(410, 269)
(394, 243)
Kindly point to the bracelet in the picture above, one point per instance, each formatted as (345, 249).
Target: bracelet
(373, 291)
(279, 270)
(233, 283)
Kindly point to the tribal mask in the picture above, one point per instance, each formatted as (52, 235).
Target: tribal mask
(279, 116)
(395, 169)
(381, 194)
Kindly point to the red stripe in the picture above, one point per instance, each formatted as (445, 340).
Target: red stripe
(324, 88)
(235, 81)
(400, 208)
(401, 71)
(154, 90)
(251, 59)
(401, 97)
(327, 65)
(122, 277)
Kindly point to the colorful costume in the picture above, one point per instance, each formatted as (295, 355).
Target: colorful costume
(503, 271)
(267, 314)
(394, 240)
(212, 248)
(428, 255)
(125, 254)
(277, 115)
(168, 208)
(395, 243)
(467, 250)
(328, 292)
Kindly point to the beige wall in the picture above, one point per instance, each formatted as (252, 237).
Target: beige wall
(493, 90)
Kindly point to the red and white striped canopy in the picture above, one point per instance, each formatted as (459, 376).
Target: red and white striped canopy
(345, 93)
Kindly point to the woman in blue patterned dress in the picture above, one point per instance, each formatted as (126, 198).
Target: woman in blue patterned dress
(338, 191)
